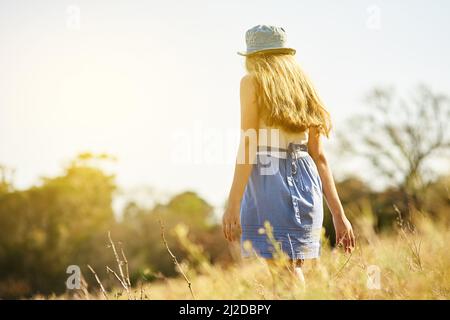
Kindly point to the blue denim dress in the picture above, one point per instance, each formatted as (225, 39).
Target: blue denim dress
(284, 190)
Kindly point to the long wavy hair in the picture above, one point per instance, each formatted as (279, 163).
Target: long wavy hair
(286, 97)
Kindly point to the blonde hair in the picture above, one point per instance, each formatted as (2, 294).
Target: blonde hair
(286, 97)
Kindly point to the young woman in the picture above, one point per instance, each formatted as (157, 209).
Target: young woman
(280, 181)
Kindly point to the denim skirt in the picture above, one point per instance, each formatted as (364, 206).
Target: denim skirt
(282, 207)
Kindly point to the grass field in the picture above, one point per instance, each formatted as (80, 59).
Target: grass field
(407, 265)
(403, 264)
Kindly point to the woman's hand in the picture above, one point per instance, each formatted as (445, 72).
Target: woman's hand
(344, 233)
(231, 222)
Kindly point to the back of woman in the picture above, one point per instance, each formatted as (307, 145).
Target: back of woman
(275, 202)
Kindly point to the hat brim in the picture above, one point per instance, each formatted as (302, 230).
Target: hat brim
(271, 50)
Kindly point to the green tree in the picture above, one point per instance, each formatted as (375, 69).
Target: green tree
(61, 222)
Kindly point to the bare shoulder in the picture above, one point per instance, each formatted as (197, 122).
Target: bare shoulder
(314, 143)
(248, 82)
(249, 110)
(248, 91)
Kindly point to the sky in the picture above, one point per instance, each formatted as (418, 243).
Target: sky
(156, 83)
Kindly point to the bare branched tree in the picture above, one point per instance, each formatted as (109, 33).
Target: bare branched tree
(399, 138)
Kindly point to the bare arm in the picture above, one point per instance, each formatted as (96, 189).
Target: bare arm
(344, 231)
(244, 159)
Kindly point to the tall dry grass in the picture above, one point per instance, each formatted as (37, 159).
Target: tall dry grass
(408, 263)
